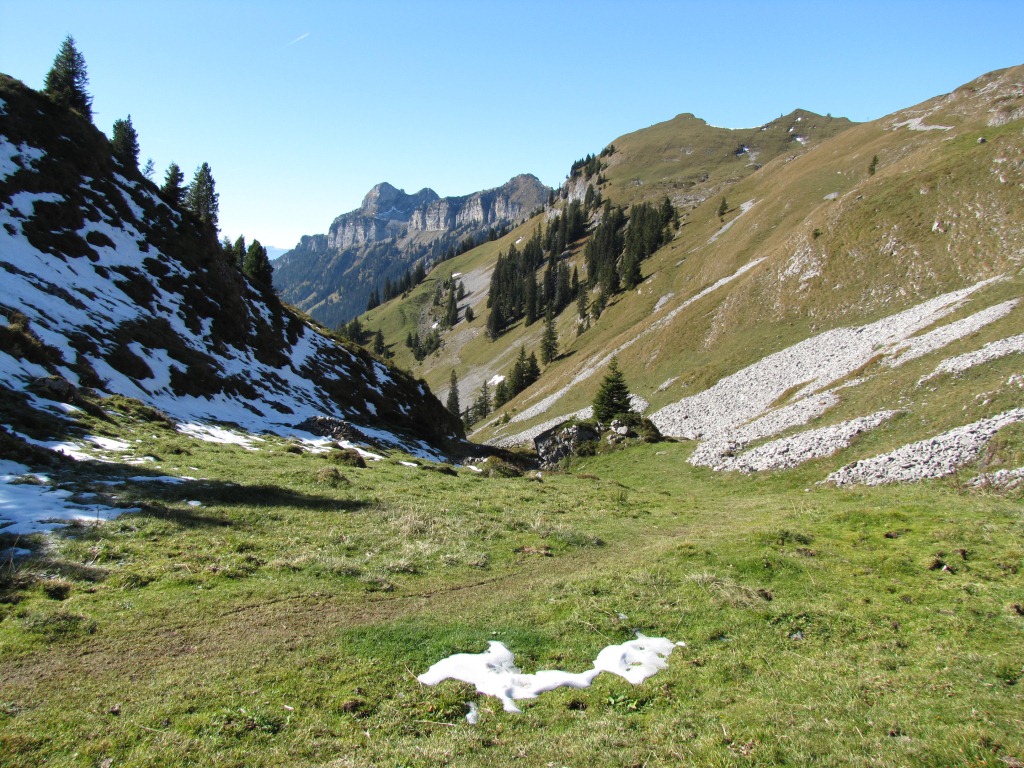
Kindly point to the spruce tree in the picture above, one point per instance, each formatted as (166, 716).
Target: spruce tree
(549, 340)
(380, 349)
(612, 397)
(65, 82)
(453, 395)
(257, 266)
(201, 198)
(125, 143)
(172, 190)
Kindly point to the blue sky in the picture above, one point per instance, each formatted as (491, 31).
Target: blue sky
(301, 107)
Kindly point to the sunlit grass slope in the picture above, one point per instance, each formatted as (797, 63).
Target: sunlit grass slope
(282, 619)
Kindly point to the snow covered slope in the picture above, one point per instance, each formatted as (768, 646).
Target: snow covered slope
(107, 286)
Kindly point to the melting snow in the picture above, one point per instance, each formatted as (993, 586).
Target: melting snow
(494, 673)
(28, 507)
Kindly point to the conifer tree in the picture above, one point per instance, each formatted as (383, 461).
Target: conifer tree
(612, 397)
(238, 253)
(172, 190)
(125, 143)
(532, 370)
(149, 168)
(453, 395)
(257, 266)
(482, 406)
(66, 81)
(380, 349)
(201, 197)
(451, 313)
(549, 340)
(501, 393)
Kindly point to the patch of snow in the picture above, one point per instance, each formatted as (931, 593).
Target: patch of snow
(28, 507)
(494, 673)
(916, 124)
(167, 479)
(107, 443)
(211, 434)
(15, 157)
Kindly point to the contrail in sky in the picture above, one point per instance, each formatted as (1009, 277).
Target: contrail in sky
(300, 37)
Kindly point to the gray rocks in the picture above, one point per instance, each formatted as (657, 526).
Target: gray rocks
(336, 429)
(937, 456)
(559, 442)
(787, 452)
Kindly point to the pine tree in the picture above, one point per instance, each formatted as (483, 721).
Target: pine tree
(381, 350)
(238, 253)
(172, 190)
(482, 406)
(532, 370)
(451, 312)
(257, 265)
(549, 339)
(65, 82)
(453, 395)
(149, 168)
(125, 143)
(201, 198)
(469, 314)
(723, 208)
(612, 397)
(501, 393)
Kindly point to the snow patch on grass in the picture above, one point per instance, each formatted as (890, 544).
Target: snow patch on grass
(494, 673)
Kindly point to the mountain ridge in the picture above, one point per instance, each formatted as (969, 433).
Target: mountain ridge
(109, 287)
(838, 231)
(332, 275)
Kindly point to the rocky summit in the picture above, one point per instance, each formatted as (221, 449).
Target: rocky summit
(331, 276)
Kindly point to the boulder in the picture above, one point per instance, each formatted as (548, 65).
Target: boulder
(561, 441)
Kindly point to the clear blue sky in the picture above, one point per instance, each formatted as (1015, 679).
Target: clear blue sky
(300, 107)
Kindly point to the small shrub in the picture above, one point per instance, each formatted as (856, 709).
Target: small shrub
(346, 457)
(332, 477)
(57, 589)
(444, 469)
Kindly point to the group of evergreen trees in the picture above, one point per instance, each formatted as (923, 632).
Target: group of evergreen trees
(525, 371)
(515, 292)
(66, 84)
(251, 261)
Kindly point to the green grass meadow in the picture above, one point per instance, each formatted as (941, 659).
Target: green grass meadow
(283, 620)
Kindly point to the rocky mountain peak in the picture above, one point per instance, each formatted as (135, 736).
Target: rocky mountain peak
(385, 201)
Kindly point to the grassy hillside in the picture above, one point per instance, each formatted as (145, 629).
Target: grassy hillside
(275, 610)
(849, 227)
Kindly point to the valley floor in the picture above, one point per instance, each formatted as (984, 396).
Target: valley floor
(277, 609)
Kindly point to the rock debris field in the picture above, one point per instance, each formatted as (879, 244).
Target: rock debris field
(743, 409)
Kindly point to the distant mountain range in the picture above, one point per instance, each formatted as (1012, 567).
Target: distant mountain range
(331, 276)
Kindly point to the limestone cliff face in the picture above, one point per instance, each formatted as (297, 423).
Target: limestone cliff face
(331, 275)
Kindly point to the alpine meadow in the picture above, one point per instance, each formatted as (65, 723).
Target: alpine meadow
(711, 455)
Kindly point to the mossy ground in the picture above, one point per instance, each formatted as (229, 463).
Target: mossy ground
(284, 620)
